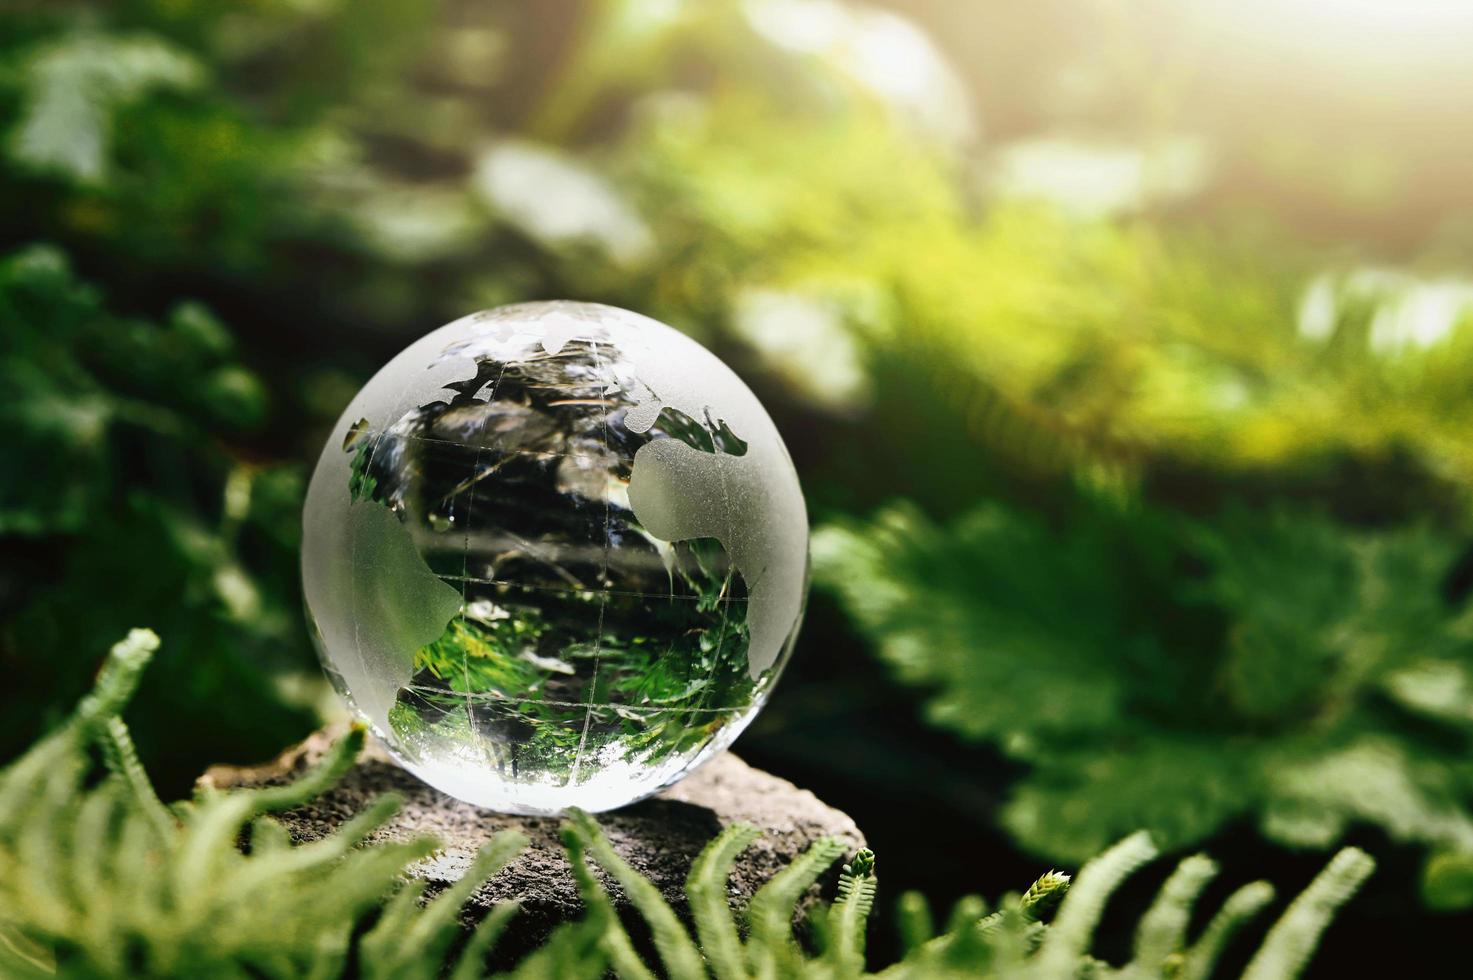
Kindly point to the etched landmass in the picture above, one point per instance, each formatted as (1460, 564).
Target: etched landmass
(396, 597)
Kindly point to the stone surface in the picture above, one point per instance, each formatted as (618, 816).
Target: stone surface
(659, 836)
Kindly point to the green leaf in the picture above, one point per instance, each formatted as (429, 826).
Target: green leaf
(75, 84)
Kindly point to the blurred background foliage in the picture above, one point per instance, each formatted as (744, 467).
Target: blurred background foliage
(1124, 350)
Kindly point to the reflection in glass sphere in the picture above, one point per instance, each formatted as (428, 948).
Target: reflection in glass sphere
(556, 554)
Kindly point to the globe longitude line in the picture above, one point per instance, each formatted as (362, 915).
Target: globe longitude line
(465, 558)
(603, 602)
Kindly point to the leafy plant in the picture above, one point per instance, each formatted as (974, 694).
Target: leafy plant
(1276, 667)
(102, 879)
(121, 439)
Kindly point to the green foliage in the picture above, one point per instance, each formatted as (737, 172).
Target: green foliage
(101, 879)
(186, 136)
(1011, 942)
(118, 435)
(74, 87)
(337, 177)
(1277, 667)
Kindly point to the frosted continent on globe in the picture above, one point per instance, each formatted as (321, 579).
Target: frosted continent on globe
(556, 555)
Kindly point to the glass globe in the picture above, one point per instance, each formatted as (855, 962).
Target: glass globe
(555, 554)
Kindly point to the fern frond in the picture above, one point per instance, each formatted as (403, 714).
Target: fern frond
(432, 931)
(1010, 939)
(967, 912)
(38, 846)
(1292, 939)
(1240, 906)
(602, 919)
(705, 889)
(379, 944)
(121, 757)
(118, 678)
(91, 857)
(268, 836)
(338, 759)
(1068, 938)
(20, 780)
(913, 921)
(412, 937)
(771, 913)
(472, 962)
(962, 942)
(677, 952)
(59, 752)
(1162, 930)
(1044, 895)
(850, 913)
(574, 951)
(218, 817)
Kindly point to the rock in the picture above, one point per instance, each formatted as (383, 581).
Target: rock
(659, 837)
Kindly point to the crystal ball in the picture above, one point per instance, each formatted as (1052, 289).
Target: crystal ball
(555, 555)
